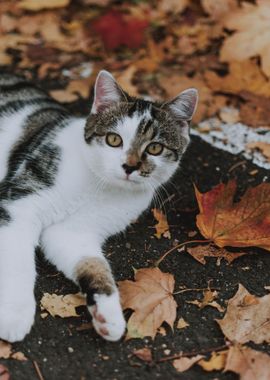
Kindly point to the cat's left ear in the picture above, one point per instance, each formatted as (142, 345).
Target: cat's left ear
(107, 92)
(184, 105)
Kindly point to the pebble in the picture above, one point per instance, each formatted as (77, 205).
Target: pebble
(70, 350)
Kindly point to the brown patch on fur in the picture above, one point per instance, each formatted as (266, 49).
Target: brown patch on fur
(98, 273)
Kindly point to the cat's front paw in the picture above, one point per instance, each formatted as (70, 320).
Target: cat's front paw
(108, 319)
(16, 321)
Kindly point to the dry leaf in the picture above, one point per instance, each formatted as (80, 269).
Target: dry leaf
(144, 354)
(150, 296)
(5, 349)
(248, 363)
(125, 80)
(209, 297)
(19, 356)
(36, 5)
(216, 362)
(242, 76)
(242, 224)
(4, 373)
(254, 111)
(182, 324)
(229, 115)
(183, 364)
(75, 87)
(217, 9)
(247, 318)
(173, 6)
(261, 146)
(62, 306)
(201, 251)
(252, 36)
(162, 228)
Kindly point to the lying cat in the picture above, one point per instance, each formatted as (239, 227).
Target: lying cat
(68, 183)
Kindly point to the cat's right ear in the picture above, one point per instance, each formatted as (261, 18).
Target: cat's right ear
(107, 92)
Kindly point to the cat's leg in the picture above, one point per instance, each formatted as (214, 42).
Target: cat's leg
(77, 253)
(17, 278)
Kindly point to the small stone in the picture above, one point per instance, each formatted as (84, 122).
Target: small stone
(70, 350)
(105, 357)
(167, 352)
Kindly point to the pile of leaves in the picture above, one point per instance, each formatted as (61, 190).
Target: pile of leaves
(154, 48)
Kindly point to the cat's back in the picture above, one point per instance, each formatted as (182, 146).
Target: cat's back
(27, 115)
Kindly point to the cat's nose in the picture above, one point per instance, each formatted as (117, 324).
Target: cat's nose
(130, 169)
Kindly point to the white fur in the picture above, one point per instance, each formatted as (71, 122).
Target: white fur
(90, 201)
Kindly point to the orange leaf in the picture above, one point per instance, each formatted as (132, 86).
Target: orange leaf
(242, 224)
(162, 227)
(150, 296)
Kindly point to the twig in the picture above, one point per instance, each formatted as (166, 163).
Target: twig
(193, 353)
(38, 371)
(241, 163)
(156, 264)
(195, 290)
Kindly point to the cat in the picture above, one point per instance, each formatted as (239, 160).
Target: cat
(68, 183)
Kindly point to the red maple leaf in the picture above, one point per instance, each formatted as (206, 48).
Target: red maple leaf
(116, 29)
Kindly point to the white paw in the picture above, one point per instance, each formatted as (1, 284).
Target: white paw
(108, 319)
(16, 320)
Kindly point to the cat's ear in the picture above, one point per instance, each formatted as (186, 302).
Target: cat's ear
(184, 105)
(107, 92)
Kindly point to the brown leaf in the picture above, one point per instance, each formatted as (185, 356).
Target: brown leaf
(174, 6)
(247, 318)
(162, 228)
(182, 324)
(251, 23)
(34, 5)
(4, 373)
(183, 364)
(242, 224)
(144, 354)
(150, 296)
(229, 115)
(201, 251)
(125, 80)
(242, 76)
(217, 9)
(254, 111)
(19, 356)
(62, 306)
(75, 87)
(216, 362)
(248, 363)
(209, 297)
(5, 350)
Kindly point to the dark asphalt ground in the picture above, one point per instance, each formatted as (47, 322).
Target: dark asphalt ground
(52, 339)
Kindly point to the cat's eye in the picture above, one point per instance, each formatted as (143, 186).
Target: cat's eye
(114, 140)
(155, 149)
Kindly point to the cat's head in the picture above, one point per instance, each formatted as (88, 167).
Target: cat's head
(135, 143)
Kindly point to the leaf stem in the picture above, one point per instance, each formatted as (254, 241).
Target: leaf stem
(156, 264)
(194, 290)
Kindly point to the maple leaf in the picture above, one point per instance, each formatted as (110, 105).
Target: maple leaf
(62, 306)
(252, 36)
(150, 296)
(248, 363)
(6, 353)
(201, 251)
(209, 297)
(162, 227)
(117, 29)
(247, 318)
(242, 224)
(183, 364)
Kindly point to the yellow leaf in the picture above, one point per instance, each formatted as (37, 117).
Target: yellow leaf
(36, 5)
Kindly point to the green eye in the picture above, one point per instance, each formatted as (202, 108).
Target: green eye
(114, 140)
(155, 149)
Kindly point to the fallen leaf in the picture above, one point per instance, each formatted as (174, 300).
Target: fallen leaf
(4, 373)
(241, 76)
(144, 354)
(251, 23)
(182, 324)
(5, 349)
(62, 306)
(125, 80)
(229, 115)
(260, 146)
(19, 356)
(247, 318)
(209, 297)
(34, 5)
(162, 228)
(116, 29)
(242, 224)
(216, 362)
(217, 9)
(254, 111)
(183, 364)
(248, 363)
(75, 88)
(201, 251)
(150, 297)
(174, 6)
